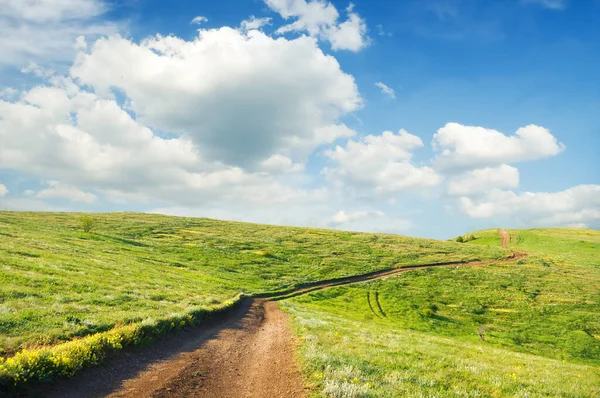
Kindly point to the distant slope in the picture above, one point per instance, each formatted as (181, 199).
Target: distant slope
(58, 282)
(530, 328)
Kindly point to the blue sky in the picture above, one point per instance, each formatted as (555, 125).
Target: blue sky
(430, 118)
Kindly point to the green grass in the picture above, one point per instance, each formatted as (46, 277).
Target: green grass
(58, 282)
(420, 333)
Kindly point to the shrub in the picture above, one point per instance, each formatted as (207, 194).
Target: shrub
(466, 238)
(87, 223)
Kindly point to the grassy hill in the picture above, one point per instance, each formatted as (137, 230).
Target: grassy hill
(58, 282)
(530, 328)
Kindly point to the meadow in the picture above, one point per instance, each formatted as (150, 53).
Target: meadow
(58, 282)
(525, 329)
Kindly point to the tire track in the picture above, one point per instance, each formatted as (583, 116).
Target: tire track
(371, 305)
(379, 304)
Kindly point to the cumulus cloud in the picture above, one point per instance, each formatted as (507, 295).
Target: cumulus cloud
(481, 180)
(80, 43)
(37, 70)
(199, 20)
(254, 23)
(576, 205)
(59, 22)
(381, 163)
(3, 190)
(468, 147)
(386, 90)
(240, 97)
(75, 137)
(320, 19)
(281, 164)
(56, 190)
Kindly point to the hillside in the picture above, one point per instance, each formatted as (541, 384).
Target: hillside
(530, 328)
(58, 282)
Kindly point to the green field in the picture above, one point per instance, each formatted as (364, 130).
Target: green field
(528, 328)
(58, 282)
(525, 329)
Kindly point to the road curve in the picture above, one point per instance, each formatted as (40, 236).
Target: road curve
(247, 352)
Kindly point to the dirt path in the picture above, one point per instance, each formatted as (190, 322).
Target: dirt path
(248, 352)
(504, 235)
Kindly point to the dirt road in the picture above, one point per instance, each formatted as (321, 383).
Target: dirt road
(248, 352)
(505, 237)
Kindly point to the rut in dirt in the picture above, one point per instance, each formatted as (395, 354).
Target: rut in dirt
(247, 352)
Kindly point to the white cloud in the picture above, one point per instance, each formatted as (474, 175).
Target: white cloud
(37, 70)
(481, 180)
(320, 19)
(341, 217)
(240, 97)
(579, 204)
(348, 35)
(281, 164)
(386, 90)
(368, 221)
(58, 22)
(254, 23)
(8, 92)
(87, 142)
(51, 10)
(550, 4)
(3, 190)
(381, 163)
(80, 43)
(56, 190)
(312, 15)
(468, 147)
(199, 20)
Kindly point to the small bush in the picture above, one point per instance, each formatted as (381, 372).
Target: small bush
(466, 238)
(87, 223)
